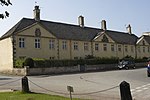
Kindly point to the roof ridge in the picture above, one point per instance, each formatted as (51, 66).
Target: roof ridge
(67, 24)
(117, 31)
(13, 29)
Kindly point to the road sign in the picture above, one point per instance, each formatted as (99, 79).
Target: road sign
(70, 89)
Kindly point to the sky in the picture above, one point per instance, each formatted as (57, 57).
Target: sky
(117, 13)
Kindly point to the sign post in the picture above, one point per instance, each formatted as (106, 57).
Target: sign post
(70, 89)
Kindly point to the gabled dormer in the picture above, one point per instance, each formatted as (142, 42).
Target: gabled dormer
(144, 40)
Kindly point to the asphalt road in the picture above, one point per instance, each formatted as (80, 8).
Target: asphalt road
(96, 85)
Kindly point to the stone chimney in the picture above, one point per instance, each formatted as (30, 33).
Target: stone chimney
(129, 29)
(36, 13)
(81, 21)
(103, 25)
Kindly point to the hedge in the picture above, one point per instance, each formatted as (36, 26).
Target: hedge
(29, 62)
(62, 63)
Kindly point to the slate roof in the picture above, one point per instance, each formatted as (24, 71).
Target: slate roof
(123, 38)
(72, 32)
(147, 38)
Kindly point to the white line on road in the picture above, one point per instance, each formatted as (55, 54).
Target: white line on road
(140, 89)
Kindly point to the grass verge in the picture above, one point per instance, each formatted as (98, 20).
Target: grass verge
(17, 95)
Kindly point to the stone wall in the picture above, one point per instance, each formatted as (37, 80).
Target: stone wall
(62, 70)
(6, 54)
(52, 70)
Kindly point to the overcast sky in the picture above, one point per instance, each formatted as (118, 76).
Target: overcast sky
(117, 13)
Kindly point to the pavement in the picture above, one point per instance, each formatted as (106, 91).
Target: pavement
(6, 90)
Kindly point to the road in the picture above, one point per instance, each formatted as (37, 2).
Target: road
(96, 85)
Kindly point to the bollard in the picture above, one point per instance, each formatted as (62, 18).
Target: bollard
(125, 91)
(25, 86)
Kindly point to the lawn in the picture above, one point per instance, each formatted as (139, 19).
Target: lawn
(30, 96)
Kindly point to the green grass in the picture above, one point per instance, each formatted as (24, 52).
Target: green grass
(30, 96)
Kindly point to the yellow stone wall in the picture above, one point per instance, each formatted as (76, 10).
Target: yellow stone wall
(80, 53)
(143, 49)
(30, 51)
(6, 54)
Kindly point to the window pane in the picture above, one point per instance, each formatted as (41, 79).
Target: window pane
(96, 46)
(105, 47)
(86, 47)
(64, 45)
(37, 43)
(112, 48)
(119, 48)
(51, 44)
(126, 48)
(21, 42)
(75, 46)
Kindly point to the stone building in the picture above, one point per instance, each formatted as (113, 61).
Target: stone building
(38, 38)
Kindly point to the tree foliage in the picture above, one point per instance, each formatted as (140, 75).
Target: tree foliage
(5, 3)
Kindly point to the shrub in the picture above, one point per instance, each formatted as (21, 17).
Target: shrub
(29, 62)
(19, 63)
(89, 57)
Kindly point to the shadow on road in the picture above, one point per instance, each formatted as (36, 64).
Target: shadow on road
(5, 78)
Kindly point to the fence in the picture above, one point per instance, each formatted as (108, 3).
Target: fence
(95, 95)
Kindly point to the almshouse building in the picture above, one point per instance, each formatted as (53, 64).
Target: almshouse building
(38, 38)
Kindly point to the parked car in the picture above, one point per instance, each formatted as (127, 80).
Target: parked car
(126, 64)
(148, 69)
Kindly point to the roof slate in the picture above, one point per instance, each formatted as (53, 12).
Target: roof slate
(123, 38)
(72, 32)
(147, 38)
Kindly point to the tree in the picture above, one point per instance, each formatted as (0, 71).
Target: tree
(5, 3)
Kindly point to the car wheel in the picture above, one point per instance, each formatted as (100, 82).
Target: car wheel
(148, 74)
(133, 67)
(126, 67)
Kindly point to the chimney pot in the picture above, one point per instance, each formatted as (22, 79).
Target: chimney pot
(103, 25)
(129, 29)
(36, 13)
(81, 21)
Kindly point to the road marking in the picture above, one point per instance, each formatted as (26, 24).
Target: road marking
(145, 88)
(140, 89)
